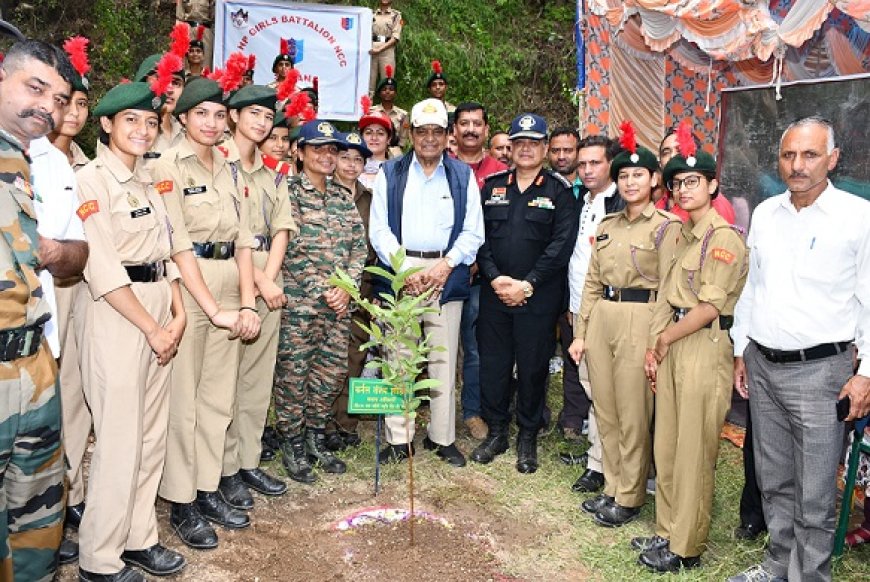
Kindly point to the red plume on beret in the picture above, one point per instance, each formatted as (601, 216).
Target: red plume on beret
(252, 61)
(389, 70)
(366, 104)
(77, 49)
(297, 104)
(169, 64)
(685, 139)
(315, 82)
(234, 71)
(200, 32)
(436, 67)
(288, 85)
(180, 36)
(308, 113)
(285, 47)
(628, 139)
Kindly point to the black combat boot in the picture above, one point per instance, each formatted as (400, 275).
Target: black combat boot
(495, 443)
(296, 461)
(527, 451)
(319, 453)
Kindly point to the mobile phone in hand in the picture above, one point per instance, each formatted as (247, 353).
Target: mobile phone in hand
(843, 406)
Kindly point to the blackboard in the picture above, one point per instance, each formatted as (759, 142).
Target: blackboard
(753, 120)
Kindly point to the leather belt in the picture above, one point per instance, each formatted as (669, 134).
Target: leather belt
(264, 242)
(377, 38)
(426, 254)
(147, 273)
(220, 251)
(194, 23)
(814, 353)
(726, 322)
(20, 342)
(628, 295)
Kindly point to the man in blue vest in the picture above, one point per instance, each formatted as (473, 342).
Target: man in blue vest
(430, 204)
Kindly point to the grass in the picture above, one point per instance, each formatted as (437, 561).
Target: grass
(539, 531)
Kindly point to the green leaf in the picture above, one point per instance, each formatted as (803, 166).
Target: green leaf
(426, 384)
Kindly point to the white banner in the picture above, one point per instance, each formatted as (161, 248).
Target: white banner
(332, 43)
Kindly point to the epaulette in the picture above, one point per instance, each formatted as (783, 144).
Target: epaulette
(561, 178)
(670, 216)
(497, 174)
(611, 215)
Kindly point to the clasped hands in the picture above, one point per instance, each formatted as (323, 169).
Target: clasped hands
(432, 278)
(509, 290)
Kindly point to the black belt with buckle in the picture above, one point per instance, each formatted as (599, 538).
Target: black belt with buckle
(20, 342)
(194, 23)
(220, 251)
(814, 353)
(263, 242)
(147, 273)
(426, 254)
(377, 38)
(628, 295)
(726, 322)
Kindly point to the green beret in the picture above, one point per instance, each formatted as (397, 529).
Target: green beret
(701, 162)
(280, 120)
(387, 81)
(128, 96)
(642, 158)
(149, 67)
(198, 91)
(434, 77)
(312, 94)
(282, 58)
(294, 133)
(253, 95)
(80, 83)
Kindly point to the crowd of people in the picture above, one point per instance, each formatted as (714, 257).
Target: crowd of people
(175, 287)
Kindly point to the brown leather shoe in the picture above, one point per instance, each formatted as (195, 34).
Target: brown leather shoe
(477, 427)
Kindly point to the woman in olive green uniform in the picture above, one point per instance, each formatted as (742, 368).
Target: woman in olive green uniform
(209, 227)
(134, 320)
(690, 360)
(633, 251)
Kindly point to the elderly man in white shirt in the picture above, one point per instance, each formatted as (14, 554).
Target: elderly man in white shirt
(430, 204)
(805, 301)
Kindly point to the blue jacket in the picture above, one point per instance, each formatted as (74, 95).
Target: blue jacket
(458, 284)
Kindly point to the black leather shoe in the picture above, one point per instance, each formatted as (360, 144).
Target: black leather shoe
(156, 560)
(68, 552)
(495, 443)
(449, 453)
(615, 515)
(267, 454)
(213, 507)
(270, 444)
(295, 460)
(334, 442)
(262, 482)
(749, 531)
(527, 452)
(234, 492)
(395, 453)
(319, 453)
(127, 574)
(589, 482)
(192, 527)
(74, 514)
(351, 439)
(665, 561)
(597, 503)
(644, 544)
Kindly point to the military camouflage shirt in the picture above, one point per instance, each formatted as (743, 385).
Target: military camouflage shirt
(21, 300)
(331, 234)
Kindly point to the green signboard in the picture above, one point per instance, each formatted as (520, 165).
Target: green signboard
(374, 396)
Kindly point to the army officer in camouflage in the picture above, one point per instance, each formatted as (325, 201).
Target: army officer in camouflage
(315, 327)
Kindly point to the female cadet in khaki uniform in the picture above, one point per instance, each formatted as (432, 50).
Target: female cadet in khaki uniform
(691, 362)
(135, 318)
(252, 109)
(209, 227)
(633, 251)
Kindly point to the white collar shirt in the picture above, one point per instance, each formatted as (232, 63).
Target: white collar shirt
(590, 217)
(809, 275)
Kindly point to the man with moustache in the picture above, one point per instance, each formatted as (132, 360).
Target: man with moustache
(806, 299)
(35, 88)
(471, 128)
(500, 147)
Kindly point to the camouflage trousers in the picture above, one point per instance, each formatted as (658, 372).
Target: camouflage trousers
(310, 369)
(31, 468)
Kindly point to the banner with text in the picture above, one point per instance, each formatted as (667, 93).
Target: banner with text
(331, 43)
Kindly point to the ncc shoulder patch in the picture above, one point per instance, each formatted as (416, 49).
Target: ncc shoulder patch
(164, 186)
(88, 208)
(721, 254)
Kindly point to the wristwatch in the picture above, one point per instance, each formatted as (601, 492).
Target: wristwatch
(528, 290)
(449, 261)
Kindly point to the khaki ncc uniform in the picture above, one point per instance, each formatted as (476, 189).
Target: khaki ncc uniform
(386, 24)
(268, 200)
(693, 387)
(165, 141)
(196, 12)
(126, 224)
(204, 207)
(401, 127)
(629, 260)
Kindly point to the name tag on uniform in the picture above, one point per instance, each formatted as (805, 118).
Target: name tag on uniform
(195, 190)
(497, 201)
(151, 155)
(543, 202)
(140, 212)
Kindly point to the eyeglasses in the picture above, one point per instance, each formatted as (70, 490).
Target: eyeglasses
(689, 183)
(357, 160)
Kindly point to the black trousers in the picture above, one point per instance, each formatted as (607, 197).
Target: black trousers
(575, 406)
(751, 511)
(504, 338)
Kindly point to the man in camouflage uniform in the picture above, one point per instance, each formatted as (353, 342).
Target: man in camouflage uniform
(315, 325)
(31, 459)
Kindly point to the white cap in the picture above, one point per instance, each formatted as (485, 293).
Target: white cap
(429, 112)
